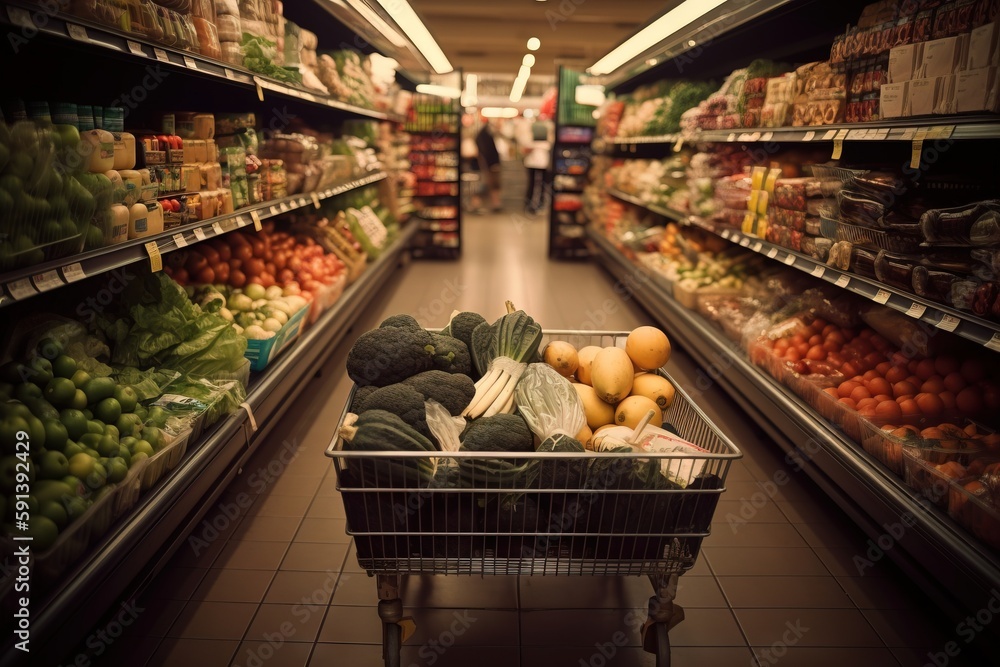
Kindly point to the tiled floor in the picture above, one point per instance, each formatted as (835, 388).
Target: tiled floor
(282, 587)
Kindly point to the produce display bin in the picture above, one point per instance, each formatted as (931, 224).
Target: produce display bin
(324, 299)
(261, 352)
(165, 460)
(974, 512)
(588, 513)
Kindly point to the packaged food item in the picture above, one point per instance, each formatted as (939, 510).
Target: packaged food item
(863, 261)
(816, 247)
(895, 270)
(840, 255)
(985, 300)
(975, 224)
(933, 284)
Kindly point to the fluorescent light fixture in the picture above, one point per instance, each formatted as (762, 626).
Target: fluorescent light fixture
(524, 72)
(518, 89)
(378, 23)
(528, 60)
(499, 112)
(440, 91)
(470, 96)
(534, 44)
(589, 96)
(407, 19)
(677, 18)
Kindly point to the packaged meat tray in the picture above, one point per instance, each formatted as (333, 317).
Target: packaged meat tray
(976, 224)
(840, 231)
(792, 193)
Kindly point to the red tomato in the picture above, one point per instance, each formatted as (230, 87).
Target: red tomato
(237, 278)
(206, 276)
(292, 288)
(222, 271)
(253, 267)
(266, 279)
(181, 276)
(285, 276)
(242, 252)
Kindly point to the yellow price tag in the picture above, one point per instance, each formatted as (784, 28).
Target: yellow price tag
(155, 261)
(260, 91)
(256, 220)
(315, 199)
(918, 148)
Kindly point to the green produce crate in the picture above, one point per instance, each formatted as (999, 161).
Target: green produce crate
(261, 352)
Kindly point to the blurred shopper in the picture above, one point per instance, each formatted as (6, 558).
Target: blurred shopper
(537, 164)
(489, 164)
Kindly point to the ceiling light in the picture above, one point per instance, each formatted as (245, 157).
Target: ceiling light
(524, 72)
(407, 19)
(528, 60)
(534, 43)
(656, 32)
(518, 89)
(378, 23)
(691, 42)
(499, 112)
(589, 96)
(440, 91)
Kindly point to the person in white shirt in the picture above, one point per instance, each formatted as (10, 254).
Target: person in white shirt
(537, 163)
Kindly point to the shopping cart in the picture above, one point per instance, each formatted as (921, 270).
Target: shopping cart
(593, 513)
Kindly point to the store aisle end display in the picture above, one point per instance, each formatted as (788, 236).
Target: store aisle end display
(571, 156)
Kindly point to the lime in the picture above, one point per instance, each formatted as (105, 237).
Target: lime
(128, 424)
(79, 401)
(82, 465)
(142, 446)
(108, 446)
(75, 507)
(60, 391)
(39, 371)
(26, 391)
(154, 436)
(56, 434)
(71, 449)
(108, 410)
(49, 348)
(10, 426)
(127, 398)
(80, 378)
(53, 465)
(74, 421)
(54, 511)
(98, 389)
(117, 470)
(64, 366)
(43, 532)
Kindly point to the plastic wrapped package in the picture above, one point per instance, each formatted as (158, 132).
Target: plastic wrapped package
(549, 404)
(229, 28)
(863, 261)
(226, 7)
(840, 255)
(203, 9)
(230, 123)
(895, 270)
(208, 38)
(933, 284)
(976, 224)
(817, 248)
(793, 193)
(232, 53)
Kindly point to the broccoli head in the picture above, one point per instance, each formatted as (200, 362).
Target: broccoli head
(452, 390)
(499, 433)
(386, 356)
(401, 322)
(451, 355)
(360, 394)
(461, 326)
(399, 399)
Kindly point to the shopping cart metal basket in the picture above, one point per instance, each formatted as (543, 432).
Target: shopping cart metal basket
(592, 513)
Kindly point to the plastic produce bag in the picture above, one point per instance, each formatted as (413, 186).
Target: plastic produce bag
(187, 399)
(446, 429)
(550, 406)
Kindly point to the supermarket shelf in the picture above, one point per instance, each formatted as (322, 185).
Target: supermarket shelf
(132, 553)
(935, 552)
(666, 212)
(131, 46)
(938, 316)
(22, 284)
(907, 129)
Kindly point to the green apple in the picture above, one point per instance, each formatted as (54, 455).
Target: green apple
(10, 426)
(56, 435)
(127, 398)
(52, 490)
(117, 470)
(53, 465)
(56, 512)
(80, 378)
(43, 532)
(71, 449)
(82, 465)
(142, 446)
(75, 507)
(97, 478)
(108, 446)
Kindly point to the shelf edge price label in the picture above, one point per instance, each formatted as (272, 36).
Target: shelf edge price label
(199, 234)
(830, 134)
(135, 48)
(260, 89)
(838, 144)
(789, 259)
(315, 199)
(679, 144)
(217, 228)
(20, 17)
(731, 137)
(161, 55)
(22, 289)
(941, 132)
(882, 134)
(810, 135)
(179, 240)
(948, 323)
(745, 242)
(772, 253)
(229, 74)
(993, 343)
(256, 220)
(908, 133)
(916, 310)
(725, 233)
(758, 246)
(918, 148)
(767, 136)
(155, 261)
(818, 271)
(882, 296)
(73, 272)
(77, 32)
(47, 281)
(843, 281)
(241, 221)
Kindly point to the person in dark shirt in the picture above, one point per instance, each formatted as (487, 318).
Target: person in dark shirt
(489, 164)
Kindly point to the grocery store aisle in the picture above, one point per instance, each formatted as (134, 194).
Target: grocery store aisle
(280, 586)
